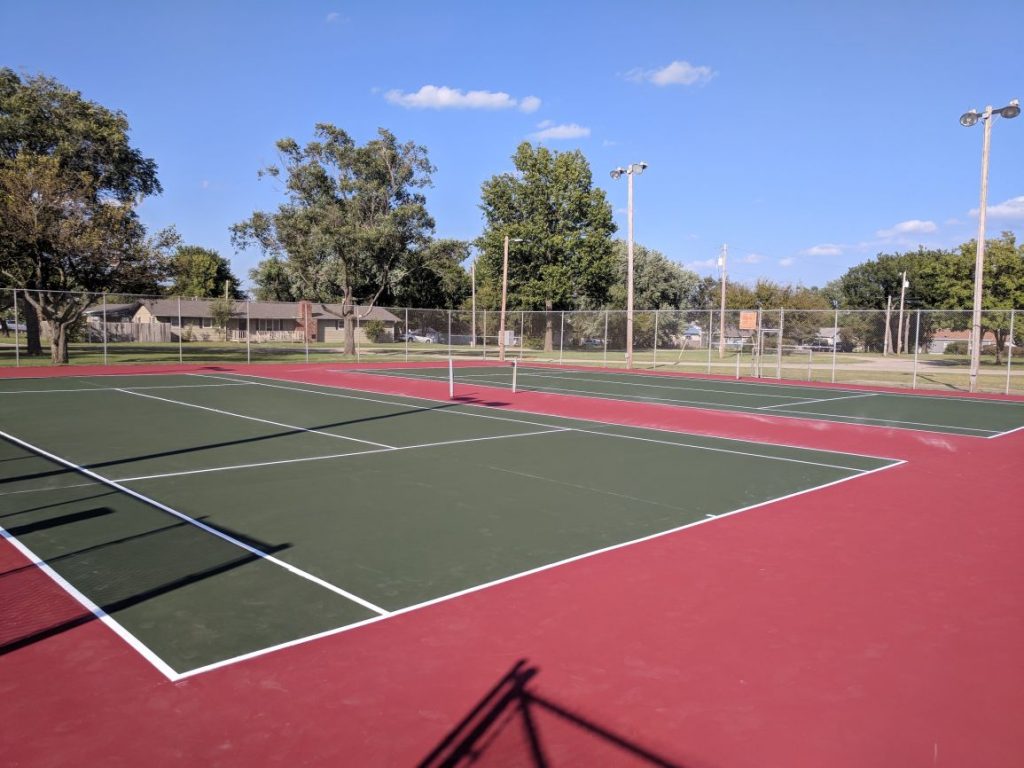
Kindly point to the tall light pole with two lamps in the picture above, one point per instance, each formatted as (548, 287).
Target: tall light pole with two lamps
(634, 169)
(967, 120)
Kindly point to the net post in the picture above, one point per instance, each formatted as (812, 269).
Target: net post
(515, 368)
(451, 379)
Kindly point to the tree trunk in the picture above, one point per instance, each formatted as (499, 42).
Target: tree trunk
(1000, 335)
(349, 319)
(549, 324)
(59, 343)
(33, 344)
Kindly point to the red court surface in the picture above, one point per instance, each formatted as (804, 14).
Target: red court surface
(874, 623)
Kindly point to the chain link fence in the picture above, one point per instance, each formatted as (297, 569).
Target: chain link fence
(917, 348)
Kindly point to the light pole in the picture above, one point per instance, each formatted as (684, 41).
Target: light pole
(904, 284)
(967, 120)
(634, 169)
(504, 296)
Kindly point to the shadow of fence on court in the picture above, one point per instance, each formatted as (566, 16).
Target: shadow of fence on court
(513, 725)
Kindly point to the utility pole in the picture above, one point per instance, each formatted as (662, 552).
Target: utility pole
(721, 309)
(472, 272)
(899, 327)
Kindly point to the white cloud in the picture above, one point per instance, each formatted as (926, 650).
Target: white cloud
(699, 265)
(332, 17)
(529, 104)
(443, 97)
(1008, 209)
(752, 258)
(824, 249)
(564, 131)
(205, 184)
(789, 261)
(911, 227)
(676, 73)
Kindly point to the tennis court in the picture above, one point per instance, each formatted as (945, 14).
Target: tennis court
(209, 517)
(951, 415)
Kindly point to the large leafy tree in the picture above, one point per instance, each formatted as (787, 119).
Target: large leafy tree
(271, 281)
(565, 258)
(202, 273)
(69, 184)
(433, 276)
(352, 215)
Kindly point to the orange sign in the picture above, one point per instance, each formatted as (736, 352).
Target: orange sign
(748, 321)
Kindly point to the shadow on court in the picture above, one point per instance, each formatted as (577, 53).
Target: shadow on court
(514, 725)
(32, 611)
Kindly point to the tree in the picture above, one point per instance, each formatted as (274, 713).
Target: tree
(352, 215)
(201, 273)
(565, 258)
(272, 281)
(658, 283)
(433, 277)
(69, 184)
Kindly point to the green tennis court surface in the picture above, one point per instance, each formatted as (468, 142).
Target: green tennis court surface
(958, 416)
(213, 516)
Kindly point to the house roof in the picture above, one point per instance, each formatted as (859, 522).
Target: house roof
(113, 309)
(263, 310)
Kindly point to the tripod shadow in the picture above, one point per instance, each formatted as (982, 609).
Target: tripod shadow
(503, 729)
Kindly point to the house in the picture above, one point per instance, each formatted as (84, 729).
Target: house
(943, 337)
(258, 321)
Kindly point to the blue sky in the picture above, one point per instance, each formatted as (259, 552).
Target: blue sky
(807, 136)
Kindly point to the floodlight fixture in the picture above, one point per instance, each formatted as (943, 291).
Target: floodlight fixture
(1011, 110)
(967, 119)
(617, 172)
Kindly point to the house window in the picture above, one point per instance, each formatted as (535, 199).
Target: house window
(207, 322)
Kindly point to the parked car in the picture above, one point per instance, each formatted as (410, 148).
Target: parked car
(429, 336)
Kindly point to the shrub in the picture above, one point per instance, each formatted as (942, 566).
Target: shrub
(955, 348)
(376, 331)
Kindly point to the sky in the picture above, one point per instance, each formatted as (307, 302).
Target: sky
(807, 136)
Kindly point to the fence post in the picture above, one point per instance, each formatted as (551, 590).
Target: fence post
(835, 343)
(522, 332)
(485, 334)
(606, 337)
(711, 323)
(180, 329)
(104, 328)
(810, 362)
(1009, 352)
(561, 338)
(917, 346)
(778, 356)
(17, 337)
(357, 335)
(449, 334)
(307, 316)
(248, 335)
(407, 334)
(655, 364)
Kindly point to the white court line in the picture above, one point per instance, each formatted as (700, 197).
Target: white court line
(44, 490)
(1007, 432)
(202, 526)
(886, 422)
(516, 576)
(91, 607)
(338, 455)
(596, 432)
(98, 388)
(819, 400)
(254, 418)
